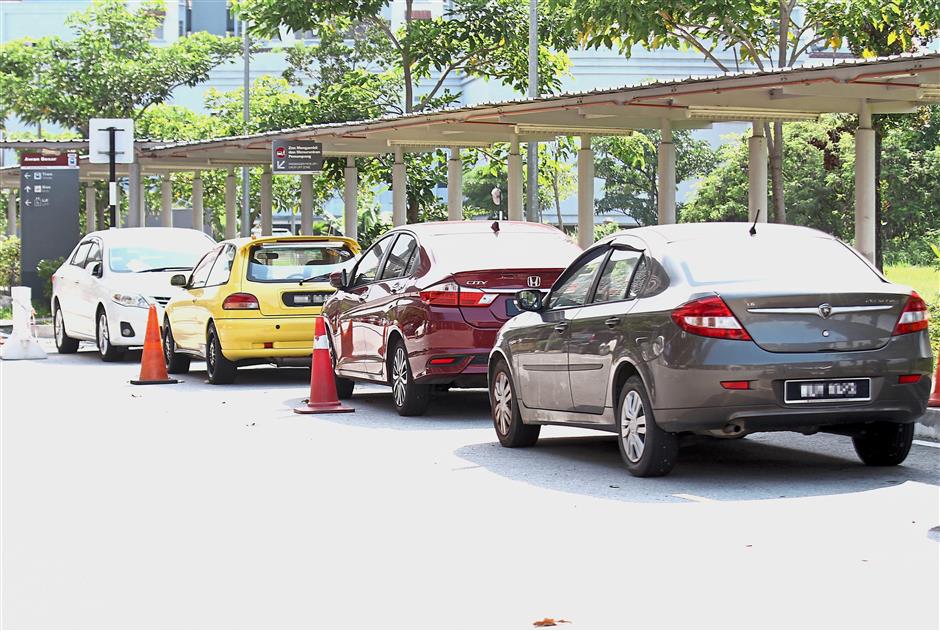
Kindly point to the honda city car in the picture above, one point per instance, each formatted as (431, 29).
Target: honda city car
(707, 328)
(252, 301)
(423, 305)
(104, 289)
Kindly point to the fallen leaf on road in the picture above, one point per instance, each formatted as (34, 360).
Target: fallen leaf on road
(549, 622)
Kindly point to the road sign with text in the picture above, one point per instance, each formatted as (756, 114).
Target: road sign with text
(296, 156)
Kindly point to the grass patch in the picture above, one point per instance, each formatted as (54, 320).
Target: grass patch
(924, 280)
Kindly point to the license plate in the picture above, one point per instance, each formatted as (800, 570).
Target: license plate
(512, 309)
(827, 390)
(304, 300)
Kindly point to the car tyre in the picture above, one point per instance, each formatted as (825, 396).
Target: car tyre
(883, 444)
(344, 388)
(219, 369)
(647, 449)
(64, 344)
(106, 350)
(176, 363)
(410, 398)
(507, 420)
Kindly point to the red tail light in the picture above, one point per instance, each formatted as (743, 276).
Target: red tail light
(914, 317)
(710, 317)
(240, 301)
(450, 294)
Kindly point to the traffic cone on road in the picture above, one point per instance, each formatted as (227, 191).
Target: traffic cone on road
(152, 362)
(323, 397)
(934, 401)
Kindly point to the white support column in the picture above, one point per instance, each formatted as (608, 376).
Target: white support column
(198, 214)
(865, 184)
(757, 174)
(306, 204)
(514, 182)
(117, 206)
(134, 218)
(351, 199)
(585, 193)
(166, 201)
(91, 212)
(11, 213)
(399, 189)
(667, 176)
(454, 185)
(230, 210)
(267, 218)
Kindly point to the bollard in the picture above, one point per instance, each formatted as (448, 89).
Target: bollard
(22, 344)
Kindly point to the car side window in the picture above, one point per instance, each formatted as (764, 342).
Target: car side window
(94, 253)
(201, 272)
(613, 281)
(222, 268)
(368, 265)
(573, 289)
(80, 254)
(399, 259)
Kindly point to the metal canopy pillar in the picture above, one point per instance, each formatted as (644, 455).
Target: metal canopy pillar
(230, 216)
(454, 185)
(91, 212)
(11, 212)
(399, 191)
(166, 201)
(267, 218)
(135, 215)
(351, 199)
(514, 183)
(865, 184)
(585, 193)
(306, 204)
(198, 215)
(667, 176)
(757, 174)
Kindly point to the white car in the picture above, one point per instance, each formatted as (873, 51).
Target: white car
(104, 289)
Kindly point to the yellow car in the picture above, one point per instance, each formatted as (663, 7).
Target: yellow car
(252, 301)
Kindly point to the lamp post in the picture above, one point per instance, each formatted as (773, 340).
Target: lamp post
(246, 199)
(532, 148)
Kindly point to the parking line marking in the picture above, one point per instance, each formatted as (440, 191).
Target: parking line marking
(927, 443)
(692, 498)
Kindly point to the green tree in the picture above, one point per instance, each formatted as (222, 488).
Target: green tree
(108, 68)
(629, 166)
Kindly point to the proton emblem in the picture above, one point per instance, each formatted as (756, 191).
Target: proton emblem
(825, 310)
(534, 281)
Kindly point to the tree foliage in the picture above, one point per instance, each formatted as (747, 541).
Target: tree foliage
(108, 68)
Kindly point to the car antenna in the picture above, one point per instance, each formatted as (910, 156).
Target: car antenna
(495, 227)
(753, 230)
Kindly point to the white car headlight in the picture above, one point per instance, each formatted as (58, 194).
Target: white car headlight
(131, 300)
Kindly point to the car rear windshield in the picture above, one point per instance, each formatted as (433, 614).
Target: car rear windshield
(802, 261)
(292, 262)
(507, 250)
(143, 258)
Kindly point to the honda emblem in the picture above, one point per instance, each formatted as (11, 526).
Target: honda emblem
(534, 281)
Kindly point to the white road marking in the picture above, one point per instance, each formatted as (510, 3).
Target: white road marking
(927, 443)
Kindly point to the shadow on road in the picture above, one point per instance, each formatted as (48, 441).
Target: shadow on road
(759, 467)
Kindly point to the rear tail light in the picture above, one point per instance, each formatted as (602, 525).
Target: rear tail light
(450, 294)
(709, 317)
(914, 317)
(736, 385)
(902, 379)
(240, 301)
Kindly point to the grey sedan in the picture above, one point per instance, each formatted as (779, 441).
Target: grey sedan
(720, 330)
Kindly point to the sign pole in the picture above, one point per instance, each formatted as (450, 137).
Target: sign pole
(112, 177)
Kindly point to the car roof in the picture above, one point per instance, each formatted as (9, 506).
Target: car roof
(116, 236)
(718, 230)
(241, 242)
(439, 228)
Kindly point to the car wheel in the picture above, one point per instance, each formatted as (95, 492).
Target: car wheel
(647, 449)
(64, 344)
(411, 399)
(176, 363)
(507, 420)
(884, 444)
(344, 388)
(106, 350)
(219, 369)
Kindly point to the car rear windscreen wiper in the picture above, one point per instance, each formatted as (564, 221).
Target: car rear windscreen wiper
(168, 268)
(314, 278)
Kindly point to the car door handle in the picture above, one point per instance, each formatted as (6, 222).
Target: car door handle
(561, 327)
(397, 287)
(612, 322)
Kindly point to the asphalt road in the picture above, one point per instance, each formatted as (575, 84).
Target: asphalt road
(200, 506)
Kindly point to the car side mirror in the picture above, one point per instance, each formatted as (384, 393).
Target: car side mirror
(529, 300)
(339, 279)
(178, 280)
(95, 269)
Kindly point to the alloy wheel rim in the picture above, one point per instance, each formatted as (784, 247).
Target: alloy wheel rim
(210, 359)
(59, 329)
(103, 340)
(502, 403)
(168, 344)
(399, 376)
(633, 426)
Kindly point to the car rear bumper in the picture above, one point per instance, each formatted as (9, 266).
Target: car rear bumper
(265, 337)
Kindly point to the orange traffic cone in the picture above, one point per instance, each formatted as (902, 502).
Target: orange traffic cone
(323, 397)
(152, 363)
(934, 401)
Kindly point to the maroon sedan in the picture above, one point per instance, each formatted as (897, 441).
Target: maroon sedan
(422, 306)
